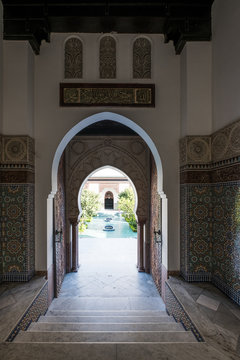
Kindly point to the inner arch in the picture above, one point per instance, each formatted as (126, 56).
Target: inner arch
(118, 170)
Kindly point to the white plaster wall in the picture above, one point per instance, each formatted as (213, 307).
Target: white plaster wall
(226, 60)
(18, 84)
(51, 122)
(196, 89)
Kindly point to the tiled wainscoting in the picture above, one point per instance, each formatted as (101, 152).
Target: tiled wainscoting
(17, 208)
(210, 209)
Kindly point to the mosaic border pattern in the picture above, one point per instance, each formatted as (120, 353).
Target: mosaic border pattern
(175, 309)
(37, 308)
(234, 295)
(196, 277)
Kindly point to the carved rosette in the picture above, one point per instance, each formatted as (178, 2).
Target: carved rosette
(226, 142)
(195, 150)
(219, 145)
(142, 59)
(17, 150)
(73, 58)
(107, 58)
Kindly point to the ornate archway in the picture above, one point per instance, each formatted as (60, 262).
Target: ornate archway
(128, 154)
(150, 144)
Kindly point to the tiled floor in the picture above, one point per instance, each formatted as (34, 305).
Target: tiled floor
(108, 278)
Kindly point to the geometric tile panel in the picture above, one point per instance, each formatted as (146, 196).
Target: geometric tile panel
(17, 232)
(17, 250)
(196, 232)
(175, 309)
(210, 210)
(37, 308)
(226, 238)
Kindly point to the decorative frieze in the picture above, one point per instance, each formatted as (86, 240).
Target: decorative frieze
(222, 145)
(138, 95)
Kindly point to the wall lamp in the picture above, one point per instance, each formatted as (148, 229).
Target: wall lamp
(158, 236)
(58, 235)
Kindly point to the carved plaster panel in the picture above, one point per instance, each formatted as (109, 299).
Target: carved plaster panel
(107, 55)
(17, 150)
(101, 151)
(73, 58)
(142, 59)
(195, 150)
(226, 142)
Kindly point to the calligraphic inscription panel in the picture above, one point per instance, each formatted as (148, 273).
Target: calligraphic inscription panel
(107, 95)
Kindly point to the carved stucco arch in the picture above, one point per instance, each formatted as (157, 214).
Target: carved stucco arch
(111, 155)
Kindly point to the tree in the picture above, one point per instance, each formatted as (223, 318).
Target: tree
(126, 204)
(90, 204)
(127, 194)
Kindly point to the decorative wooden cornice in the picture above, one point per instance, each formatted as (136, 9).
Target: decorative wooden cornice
(178, 20)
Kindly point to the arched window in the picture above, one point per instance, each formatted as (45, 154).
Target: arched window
(142, 59)
(108, 203)
(107, 58)
(73, 58)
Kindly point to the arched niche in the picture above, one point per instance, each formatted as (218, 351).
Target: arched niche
(107, 57)
(73, 58)
(142, 60)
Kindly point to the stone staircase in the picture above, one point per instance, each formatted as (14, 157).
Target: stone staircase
(105, 326)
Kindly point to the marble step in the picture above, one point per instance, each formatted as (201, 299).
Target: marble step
(105, 313)
(107, 303)
(107, 319)
(104, 327)
(105, 337)
(111, 351)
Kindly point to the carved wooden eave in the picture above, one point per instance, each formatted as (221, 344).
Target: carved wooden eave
(178, 20)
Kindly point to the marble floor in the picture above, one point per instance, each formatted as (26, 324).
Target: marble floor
(113, 284)
(14, 300)
(108, 278)
(216, 316)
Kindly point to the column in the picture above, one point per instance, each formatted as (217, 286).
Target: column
(140, 248)
(75, 263)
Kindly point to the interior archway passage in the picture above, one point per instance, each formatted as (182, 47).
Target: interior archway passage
(108, 201)
(129, 154)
